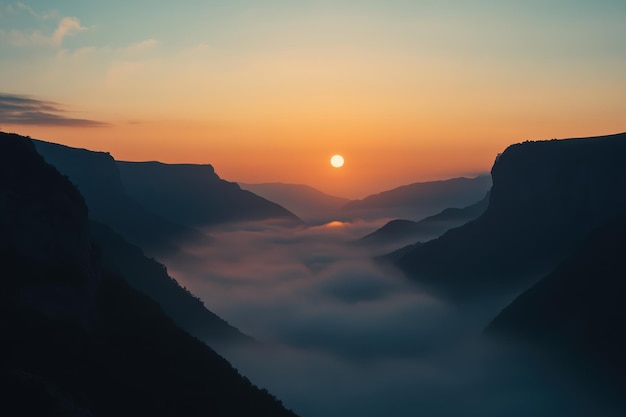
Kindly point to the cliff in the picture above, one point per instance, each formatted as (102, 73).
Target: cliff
(194, 195)
(97, 177)
(546, 198)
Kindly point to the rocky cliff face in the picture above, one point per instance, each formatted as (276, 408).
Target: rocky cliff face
(195, 195)
(546, 197)
(97, 177)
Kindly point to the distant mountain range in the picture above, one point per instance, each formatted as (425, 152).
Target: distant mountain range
(414, 201)
(403, 232)
(547, 196)
(193, 195)
(77, 339)
(419, 200)
(308, 203)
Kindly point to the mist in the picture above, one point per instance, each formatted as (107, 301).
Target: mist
(344, 336)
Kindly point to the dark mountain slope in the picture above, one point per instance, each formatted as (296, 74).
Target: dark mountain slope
(546, 197)
(306, 202)
(416, 201)
(195, 196)
(76, 339)
(150, 278)
(97, 178)
(578, 310)
(406, 231)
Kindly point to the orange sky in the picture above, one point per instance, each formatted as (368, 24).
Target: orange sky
(406, 91)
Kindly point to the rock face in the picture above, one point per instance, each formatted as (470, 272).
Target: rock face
(97, 177)
(76, 338)
(422, 199)
(546, 197)
(194, 195)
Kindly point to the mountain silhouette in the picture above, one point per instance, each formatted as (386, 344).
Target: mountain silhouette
(546, 197)
(577, 312)
(194, 195)
(97, 177)
(403, 232)
(418, 200)
(77, 339)
(308, 203)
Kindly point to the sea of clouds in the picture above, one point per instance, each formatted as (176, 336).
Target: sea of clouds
(342, 335)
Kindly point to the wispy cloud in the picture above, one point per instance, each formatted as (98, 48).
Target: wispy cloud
(68, 26)
(24, 110)
(25, 7)
(141, 46)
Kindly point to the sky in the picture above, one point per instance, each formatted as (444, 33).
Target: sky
(269, 90)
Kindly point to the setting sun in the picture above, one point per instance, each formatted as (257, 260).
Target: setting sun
(336, 161)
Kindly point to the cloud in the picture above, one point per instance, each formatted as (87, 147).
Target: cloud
(24, 110)
(141, 46)
(25, 7)
(68, 26)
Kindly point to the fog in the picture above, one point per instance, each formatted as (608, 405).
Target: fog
(343, 336)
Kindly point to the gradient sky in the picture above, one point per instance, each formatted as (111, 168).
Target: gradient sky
(268, 90)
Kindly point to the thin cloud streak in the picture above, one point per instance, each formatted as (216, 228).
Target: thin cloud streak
(23, 110)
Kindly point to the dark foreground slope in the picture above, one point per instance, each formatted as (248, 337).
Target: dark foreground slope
(195, 195)
(76, 339)
(97, 177)
(577, 312)
(580, 305)
(546, 198)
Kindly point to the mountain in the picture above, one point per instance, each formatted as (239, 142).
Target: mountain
(194, 195)
(577, 311)
(97, 177)
(77, 339)
(418, 200)
(151, 278)
(403, 232)
(546, 197)
(308, 203)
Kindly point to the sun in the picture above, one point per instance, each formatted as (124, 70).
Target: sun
(336, 161)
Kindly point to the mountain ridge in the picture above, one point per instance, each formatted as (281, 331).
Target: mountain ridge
(194, 195)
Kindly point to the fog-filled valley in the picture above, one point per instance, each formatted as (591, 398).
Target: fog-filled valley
(343, 335)
(165, 279)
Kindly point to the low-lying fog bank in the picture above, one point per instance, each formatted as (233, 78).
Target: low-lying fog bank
(343, 336)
